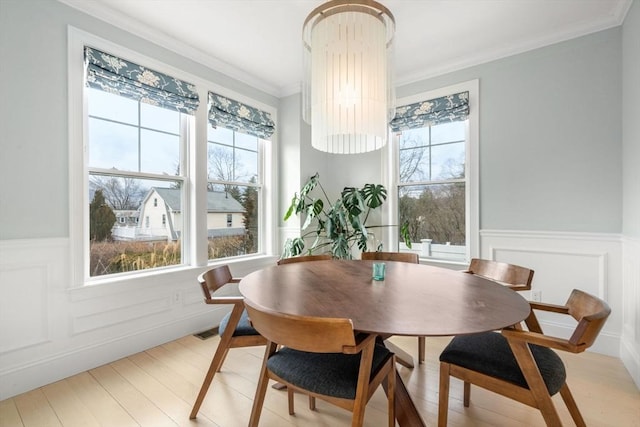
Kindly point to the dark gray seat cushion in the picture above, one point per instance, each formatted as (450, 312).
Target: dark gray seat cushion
(330, 374)
(244, 326)
(489, 353)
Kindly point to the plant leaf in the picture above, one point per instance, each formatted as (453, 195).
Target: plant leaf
(353, 201)
(404, 232)
(309, 185)
(374, 195)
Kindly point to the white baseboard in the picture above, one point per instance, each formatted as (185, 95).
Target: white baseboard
(61, 365)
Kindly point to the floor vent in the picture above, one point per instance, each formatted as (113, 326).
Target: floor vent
(206, 334)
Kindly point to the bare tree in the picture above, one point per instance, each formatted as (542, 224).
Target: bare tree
(412, 157)
(120, 193)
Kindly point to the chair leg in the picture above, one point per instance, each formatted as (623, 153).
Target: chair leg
(421, 349)
(261, 390)
(312, 403)
(391, 394)
(571, 405)
(218, 358)
(290, 400)
(529, 369)
(443, 400)
(467, 394)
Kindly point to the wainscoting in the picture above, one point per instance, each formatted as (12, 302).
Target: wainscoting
(49, 330)
(630, 345)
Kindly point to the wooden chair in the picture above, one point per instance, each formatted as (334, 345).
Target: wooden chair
(219, 287)
(515, 277)
(400, 257)
(324, 358)
(305, 258)
(521, 364)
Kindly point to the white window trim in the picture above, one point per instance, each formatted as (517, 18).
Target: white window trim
(472, 173)
(195, 247)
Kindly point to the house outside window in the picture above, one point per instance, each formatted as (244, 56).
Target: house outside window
(133, 148)
(234, 178)
(434, 175)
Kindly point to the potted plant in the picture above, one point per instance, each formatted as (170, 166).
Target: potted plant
(340, 226)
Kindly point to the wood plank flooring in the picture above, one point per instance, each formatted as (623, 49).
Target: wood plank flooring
(157, 387)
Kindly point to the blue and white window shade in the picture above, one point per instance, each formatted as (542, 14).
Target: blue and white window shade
(239, 117)
(450, 108)
(121, 77)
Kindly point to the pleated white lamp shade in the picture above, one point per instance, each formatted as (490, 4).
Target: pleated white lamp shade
(348, 96)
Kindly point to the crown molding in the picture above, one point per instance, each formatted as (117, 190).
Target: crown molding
(135, 27)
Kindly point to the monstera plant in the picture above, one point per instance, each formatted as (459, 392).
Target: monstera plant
(337, 226)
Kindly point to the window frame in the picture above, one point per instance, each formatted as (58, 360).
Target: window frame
(194, 246)
(472, 197)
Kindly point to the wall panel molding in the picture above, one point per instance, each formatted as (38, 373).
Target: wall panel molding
(564, 261)
(630, 345)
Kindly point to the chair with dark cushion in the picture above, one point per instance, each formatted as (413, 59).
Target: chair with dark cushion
(305, 258)
(520, 364)
(323, 358)
(219, 287)
(409, 257)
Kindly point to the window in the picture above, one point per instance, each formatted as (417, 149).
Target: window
(133, 148)
(135, 166)
(234, 188)
(236, 142)
(435, 173)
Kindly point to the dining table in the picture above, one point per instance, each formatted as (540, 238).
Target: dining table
(412, 300)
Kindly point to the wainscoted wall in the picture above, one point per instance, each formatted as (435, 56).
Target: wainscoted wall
(564, 261)
(49, 331)
(630, 346)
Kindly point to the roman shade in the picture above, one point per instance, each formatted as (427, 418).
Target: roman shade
(450, 108)
(115, 75)
(235, 115)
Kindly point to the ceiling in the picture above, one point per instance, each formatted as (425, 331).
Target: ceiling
(259, 41)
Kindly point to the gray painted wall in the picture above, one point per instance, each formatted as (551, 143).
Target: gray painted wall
(550, 136)
(631, 121)
(34, 173)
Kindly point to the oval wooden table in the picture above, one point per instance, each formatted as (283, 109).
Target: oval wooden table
(413, 300)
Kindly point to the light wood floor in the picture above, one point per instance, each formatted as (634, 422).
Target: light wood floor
(157, 388)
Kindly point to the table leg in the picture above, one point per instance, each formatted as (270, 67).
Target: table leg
(407, 414)
(402, 357)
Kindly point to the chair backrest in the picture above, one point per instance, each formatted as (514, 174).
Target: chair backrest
(311, 334)
(213, 279)
(305, 258)
(517, 277)
(591, 313)
(391, 256)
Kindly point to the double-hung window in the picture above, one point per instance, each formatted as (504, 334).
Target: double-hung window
(235, 146)
(435, 173)
(141, 139)
(138, 122)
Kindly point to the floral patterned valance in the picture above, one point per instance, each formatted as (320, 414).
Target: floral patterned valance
(115, 75)
(450, 108)
(234, 115)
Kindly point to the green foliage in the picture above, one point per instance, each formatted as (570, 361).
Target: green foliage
(339, 227)
(101, 218)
